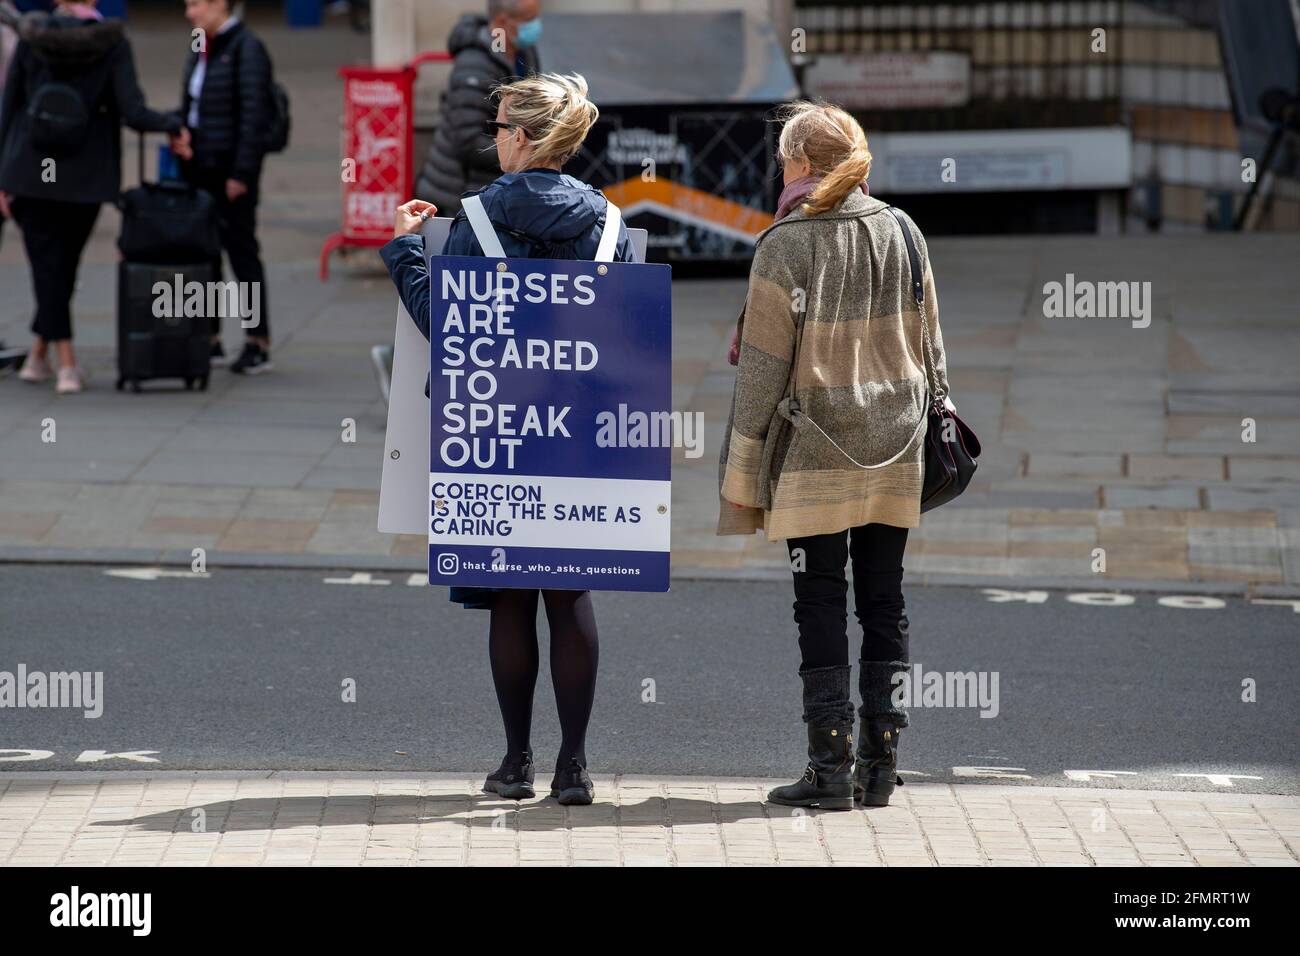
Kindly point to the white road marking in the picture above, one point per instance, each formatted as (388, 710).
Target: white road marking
(153, 574)
(1084, 776)
(359, 577)
(1101, 598)
(26, 755)
(1196, 602)
(1000, 773)
(1001, 596)
(1293, 604)
(139, 756)
(1220, 779)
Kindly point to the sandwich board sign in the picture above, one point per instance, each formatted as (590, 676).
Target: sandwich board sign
(542, 463)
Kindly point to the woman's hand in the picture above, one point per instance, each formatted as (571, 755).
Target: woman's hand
(4, 205)
(235, 189)
(411, 216)
(181, 144)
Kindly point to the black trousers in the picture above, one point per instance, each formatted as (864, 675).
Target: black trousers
(238, 237)
(821, 594)
(55, 233)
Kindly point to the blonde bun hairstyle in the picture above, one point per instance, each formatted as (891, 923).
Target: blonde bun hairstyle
(833, 144)
(553, 111)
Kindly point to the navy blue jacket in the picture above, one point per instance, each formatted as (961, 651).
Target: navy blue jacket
(537, 214)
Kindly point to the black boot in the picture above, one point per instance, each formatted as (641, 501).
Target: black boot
(827, 781)
(514, 778)
(882, 718)
(875, 772)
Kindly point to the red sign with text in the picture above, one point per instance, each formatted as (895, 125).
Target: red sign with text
(377, 135)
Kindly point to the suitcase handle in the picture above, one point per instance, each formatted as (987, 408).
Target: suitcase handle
(140, 162)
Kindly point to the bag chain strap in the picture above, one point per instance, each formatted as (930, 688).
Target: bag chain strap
(792, 409)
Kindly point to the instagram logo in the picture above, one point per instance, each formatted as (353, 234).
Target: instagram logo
(448, 563)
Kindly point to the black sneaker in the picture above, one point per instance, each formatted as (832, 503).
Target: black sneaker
(217, 356)
(253, 360)
(513, 779)
(572, 785)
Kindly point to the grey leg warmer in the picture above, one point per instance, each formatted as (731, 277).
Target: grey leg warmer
(882, 696)
(826, 701)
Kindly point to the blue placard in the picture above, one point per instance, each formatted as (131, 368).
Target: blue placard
(550, 423)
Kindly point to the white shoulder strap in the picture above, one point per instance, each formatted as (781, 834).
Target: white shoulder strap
(482, 226)
(609, 233)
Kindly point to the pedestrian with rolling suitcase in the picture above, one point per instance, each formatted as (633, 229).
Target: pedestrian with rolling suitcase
(71, 85)
(168, 283)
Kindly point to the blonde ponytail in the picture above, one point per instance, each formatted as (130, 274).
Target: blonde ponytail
(833, 144)
(553, 111)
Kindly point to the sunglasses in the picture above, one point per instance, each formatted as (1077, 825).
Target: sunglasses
(492, 127)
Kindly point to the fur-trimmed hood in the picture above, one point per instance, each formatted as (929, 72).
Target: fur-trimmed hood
(62, 41)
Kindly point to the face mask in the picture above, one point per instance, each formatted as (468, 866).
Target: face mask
(529, 32)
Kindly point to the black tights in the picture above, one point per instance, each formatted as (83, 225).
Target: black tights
(512, 647)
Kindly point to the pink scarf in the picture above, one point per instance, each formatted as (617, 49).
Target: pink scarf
(793, 196)
(797, 193)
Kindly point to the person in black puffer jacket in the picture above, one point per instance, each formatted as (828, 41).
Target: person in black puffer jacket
(462, 156)
(226, 103)
(54, 192)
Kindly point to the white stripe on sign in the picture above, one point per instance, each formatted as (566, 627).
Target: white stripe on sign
(596, 514)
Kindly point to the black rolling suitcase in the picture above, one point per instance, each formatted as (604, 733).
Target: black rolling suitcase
(169, 240)
(161, 342)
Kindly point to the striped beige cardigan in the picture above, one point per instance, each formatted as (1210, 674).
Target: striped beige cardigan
(835, 287)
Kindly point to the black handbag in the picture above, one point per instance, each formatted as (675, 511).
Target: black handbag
(951, 447)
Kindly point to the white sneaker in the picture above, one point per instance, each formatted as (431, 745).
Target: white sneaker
(34, 369)
(70, 381)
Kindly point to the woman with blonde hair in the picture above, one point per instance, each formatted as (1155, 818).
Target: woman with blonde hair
(532, 211)
(823, 449)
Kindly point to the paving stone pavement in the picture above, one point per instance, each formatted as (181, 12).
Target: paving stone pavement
(322, 819)
(1096, 434)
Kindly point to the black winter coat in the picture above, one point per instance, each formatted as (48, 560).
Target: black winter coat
(234, 105)
(95, 58)
(462, 156)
